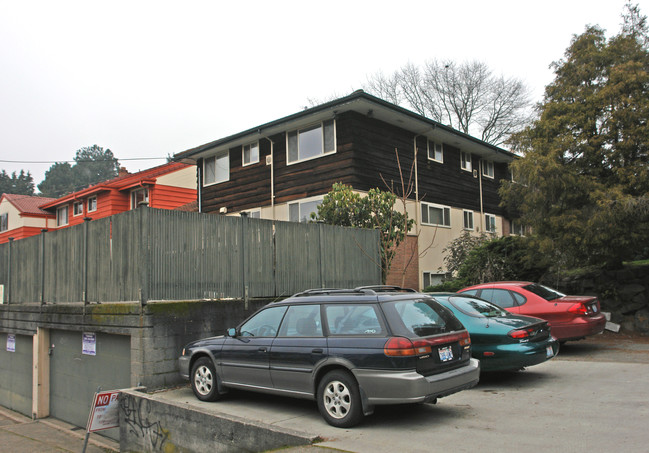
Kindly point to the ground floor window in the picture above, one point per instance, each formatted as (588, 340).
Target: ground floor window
(301, 211)
(490, 223)
(139, 197)
(432, 279)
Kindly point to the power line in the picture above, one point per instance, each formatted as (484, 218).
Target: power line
(73, 161)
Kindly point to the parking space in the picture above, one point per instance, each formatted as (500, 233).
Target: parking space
(568, 404)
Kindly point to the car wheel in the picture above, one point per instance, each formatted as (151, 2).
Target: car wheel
(204, 380)
(339, 399)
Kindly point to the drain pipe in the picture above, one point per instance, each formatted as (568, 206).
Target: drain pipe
(480, 164)
(272, 177)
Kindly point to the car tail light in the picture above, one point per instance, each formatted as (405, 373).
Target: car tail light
(578, 309)
(403, 347)
(521, 334)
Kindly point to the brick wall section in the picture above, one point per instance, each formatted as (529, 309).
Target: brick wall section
(406, 257)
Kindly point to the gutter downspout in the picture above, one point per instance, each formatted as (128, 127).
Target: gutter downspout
(481, 201)
(200, 187)
(417, 208)
(272, 177)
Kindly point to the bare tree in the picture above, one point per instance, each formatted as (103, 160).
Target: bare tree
(467, 97)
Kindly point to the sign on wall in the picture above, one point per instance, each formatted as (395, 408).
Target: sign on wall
(89, 343)
(11, 343)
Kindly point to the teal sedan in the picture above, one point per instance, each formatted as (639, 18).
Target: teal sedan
(499, 339)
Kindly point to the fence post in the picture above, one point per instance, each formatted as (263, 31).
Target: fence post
(86, 222)
(11, 241)
(145, 255)
(42, 257)
(244, 259)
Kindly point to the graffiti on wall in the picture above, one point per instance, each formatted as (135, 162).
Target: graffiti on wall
(135, 414)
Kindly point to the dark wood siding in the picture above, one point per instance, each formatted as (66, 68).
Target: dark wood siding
(365, 158)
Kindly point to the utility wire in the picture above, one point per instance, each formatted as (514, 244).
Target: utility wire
(72, 161)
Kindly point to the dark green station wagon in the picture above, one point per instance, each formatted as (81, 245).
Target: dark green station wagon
(349, 349)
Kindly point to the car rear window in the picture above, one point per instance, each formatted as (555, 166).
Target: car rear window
(543, 291)
(477, 307)
(420, 317)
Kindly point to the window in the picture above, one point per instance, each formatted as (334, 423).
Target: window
(254, 214)
(432, 279)
(488, 168)
(216, 169)
(301, 211)
(517, 228)
(92, 204)
(435, 215)
(468, 220)
(263, 324)
(349, 319)
(500, 297)
(77, 208)
(4, 221)
(465, 161)
(250, 154)
(139, 197)
(435, 151)
(62, 216)
(311, 142)
(490, 223)
(302, 321)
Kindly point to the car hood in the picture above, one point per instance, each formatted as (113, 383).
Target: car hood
(204, 341)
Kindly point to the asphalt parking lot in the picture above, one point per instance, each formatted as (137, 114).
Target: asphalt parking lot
(592, 397)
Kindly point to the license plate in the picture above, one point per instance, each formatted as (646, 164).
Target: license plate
(548, 351)
(445, 354)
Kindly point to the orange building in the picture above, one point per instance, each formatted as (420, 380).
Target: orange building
(22, 217)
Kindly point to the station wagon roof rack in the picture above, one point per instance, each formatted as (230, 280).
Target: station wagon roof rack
(372, 289)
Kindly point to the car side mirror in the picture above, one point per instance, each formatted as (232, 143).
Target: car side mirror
(232, 332)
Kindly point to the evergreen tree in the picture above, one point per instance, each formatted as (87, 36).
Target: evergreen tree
(19, 184)
(583, 183)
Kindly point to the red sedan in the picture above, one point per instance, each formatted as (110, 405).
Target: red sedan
(570, 317)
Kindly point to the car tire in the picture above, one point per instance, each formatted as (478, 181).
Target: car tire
(204, 380)
(339, 399)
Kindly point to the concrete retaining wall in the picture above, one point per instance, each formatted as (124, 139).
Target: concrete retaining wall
(150, 424)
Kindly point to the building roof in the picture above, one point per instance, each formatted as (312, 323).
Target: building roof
(124, 182)
(28, 204)
(365, 104)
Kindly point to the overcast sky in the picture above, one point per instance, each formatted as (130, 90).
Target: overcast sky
(151, 78)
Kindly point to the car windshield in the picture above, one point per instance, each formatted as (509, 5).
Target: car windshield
(476, 307)
(422, 317)
(543, 291)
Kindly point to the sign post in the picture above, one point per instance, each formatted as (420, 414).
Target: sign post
(104, 413)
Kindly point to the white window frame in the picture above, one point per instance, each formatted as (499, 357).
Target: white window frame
(436, 153)
(63, 220)
(220, 159)
(301, 216)
(254, 213)
(427, 276)
(77, 208)
(92, 207)
(4, 222)
(488, 169)
(251, 159)
(465, 161)
(446, 214)
(302, 132)
(516, 226)
(490, 220)
(134, 204)
(468, 215)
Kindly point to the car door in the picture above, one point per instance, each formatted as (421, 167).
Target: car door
(245, 358)
(298, 348)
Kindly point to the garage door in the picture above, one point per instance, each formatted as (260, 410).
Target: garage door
(16, 372)
(79, 364)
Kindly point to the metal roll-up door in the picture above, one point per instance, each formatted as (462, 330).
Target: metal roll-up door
(16, 353)
(75, 375)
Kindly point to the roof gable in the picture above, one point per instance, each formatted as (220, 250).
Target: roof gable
(28, 204)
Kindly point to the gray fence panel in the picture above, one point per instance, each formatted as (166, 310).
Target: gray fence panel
(151, 254)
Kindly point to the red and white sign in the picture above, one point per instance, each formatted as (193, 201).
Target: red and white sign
(104, 413)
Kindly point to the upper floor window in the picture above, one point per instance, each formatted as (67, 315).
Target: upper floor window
(435, 215)
(435, 151)
(311, 142)
(139, 197)
(250, 154)
(465, 161)
(62, 216)
(216, 168)
(301, 211)
(92, 204)
(468, 220)
(77, 208)
(490, 223)
(488, 168)
(4, 222)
